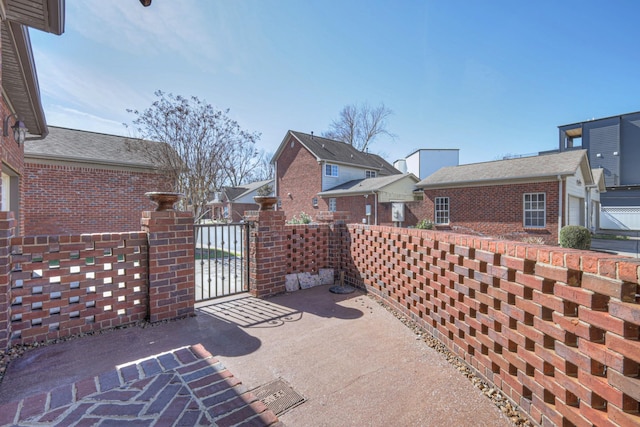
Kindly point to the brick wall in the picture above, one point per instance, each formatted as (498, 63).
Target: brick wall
(59, 285)
(299, 174)
(501, 212)
(64, 285)
(171, 264)
(557, 330)
(267, 253)
(60, 199)
(7, 231)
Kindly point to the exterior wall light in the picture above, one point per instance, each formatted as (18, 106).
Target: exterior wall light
(19, 129)
(145, 3)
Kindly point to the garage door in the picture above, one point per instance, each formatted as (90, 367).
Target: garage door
(576, 216)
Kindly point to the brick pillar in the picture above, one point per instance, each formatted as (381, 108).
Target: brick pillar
(267, 254)
(171, 264)
(7, 231)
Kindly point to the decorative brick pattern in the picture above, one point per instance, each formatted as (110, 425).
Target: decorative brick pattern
(307, 247)
(64, 285)
(7, 230)
(57, 286)
(555, 330)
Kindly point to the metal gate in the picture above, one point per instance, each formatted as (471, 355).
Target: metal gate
(222, 260)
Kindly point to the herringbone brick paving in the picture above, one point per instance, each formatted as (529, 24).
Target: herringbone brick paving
(184, 387)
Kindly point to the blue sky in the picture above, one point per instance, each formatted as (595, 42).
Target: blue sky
(488, 77)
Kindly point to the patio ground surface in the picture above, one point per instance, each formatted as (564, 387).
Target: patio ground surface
(336, 360)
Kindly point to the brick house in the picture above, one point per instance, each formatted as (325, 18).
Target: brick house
(231, 202)
(309, 167)
(21, 106)
(528, 196)
(85, 182)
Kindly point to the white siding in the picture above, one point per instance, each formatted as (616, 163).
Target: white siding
(345, 174)
(424, 162)
(401, 190)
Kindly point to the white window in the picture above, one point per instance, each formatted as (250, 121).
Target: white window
(332, 204)
(6, 191)
(535, 211)
(314, 202)
(331, 170)
(369, 174)
(442, 210)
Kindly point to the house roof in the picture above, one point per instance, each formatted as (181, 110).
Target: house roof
(234, 193)
(72, 145)
(329, 150)
(19, 77)
(366, 185)
(524, 169)
(598, 179)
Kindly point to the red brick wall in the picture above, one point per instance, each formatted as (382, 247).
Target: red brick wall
(73, 284)
(557, 330)
(268, 254)
(496, 210)
(11, 155)
(171, 264)
(7, 231)
(69, 200)
(298, 173)
(56, 286)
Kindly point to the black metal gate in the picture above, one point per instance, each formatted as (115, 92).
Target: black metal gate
(222, 260)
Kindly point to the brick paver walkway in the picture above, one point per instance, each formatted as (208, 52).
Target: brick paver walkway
(184, 387)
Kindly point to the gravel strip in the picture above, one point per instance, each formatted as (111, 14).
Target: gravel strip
(505, 404)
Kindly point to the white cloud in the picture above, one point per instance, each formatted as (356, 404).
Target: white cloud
(61, 116)
(85, 88)
(168, 27)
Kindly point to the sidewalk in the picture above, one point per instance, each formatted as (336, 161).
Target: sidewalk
(341, 359)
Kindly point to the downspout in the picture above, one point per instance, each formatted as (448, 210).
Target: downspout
(275, 181)
(560, 205)
(375, 212)
(588, 203)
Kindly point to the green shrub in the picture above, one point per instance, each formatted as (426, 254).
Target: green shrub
(575, 237)
(425, 224)
(304, 219)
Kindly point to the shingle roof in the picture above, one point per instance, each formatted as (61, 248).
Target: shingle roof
(512, 170)
(339, 152)
(365, 186)
(84, 146)
(247, 188)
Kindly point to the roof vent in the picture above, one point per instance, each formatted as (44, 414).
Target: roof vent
(352, 156)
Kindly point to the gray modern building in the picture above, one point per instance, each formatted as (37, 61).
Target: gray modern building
(613, 144)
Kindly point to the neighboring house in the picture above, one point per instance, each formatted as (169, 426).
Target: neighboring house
(309, 167)
(85, 182)
(378, 200)
(426, 161)
(527, 196)
(21, 106)
(230, 203)
(613, 144)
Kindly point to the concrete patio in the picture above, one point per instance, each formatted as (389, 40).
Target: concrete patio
(350, 359)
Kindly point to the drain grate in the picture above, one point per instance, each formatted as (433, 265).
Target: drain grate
(278, 396)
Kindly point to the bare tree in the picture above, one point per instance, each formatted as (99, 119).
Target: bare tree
(243, 160)
(360, 125)
(198, 141)
(264, 169)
